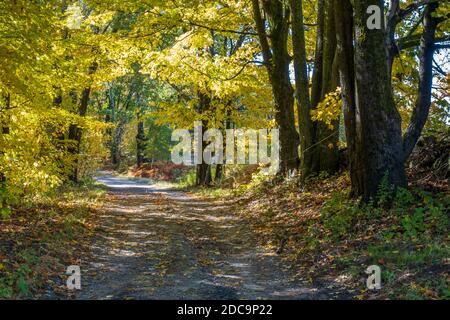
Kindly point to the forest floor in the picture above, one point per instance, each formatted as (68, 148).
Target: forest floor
(156, 243)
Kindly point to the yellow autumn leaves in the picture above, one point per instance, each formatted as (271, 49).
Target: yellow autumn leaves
(329, 109)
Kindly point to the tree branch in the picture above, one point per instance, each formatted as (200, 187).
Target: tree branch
(259, 22)
(423, 103)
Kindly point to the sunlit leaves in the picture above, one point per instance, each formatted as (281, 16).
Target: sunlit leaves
(328, 110)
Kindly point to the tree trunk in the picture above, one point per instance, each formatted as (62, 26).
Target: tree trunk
(220, 168)
(219, 173)
(117, 140)
(306, 127)
(316, 88)
(392, 19)
(381, 149)
(115, 133)
(140, 143)
(345, 55)
(423, 103)
(277, 60)
(4, 130)
(326, 153)
(110, 117)
(203, 173)
(75, 134)
(4, 120)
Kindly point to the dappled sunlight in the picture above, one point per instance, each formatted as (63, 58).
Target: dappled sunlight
(229, 276)
(294, 292)
(123, 253)
(125, 210)
(136, 233)
(179, 245)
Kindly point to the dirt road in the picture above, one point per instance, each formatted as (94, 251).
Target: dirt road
(157, 243)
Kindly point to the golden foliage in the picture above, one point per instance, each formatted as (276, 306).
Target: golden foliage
(329, 109)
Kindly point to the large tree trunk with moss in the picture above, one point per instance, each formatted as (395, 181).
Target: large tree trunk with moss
(277, 60)
(381, 151)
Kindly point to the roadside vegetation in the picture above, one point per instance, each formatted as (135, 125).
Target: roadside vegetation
(326, 235)
(43, 237)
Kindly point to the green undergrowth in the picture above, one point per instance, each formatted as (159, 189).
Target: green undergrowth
(406, 235)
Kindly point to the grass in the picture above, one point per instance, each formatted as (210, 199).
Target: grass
(42, 236)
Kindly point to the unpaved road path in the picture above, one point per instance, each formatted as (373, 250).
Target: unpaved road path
(157, 243)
